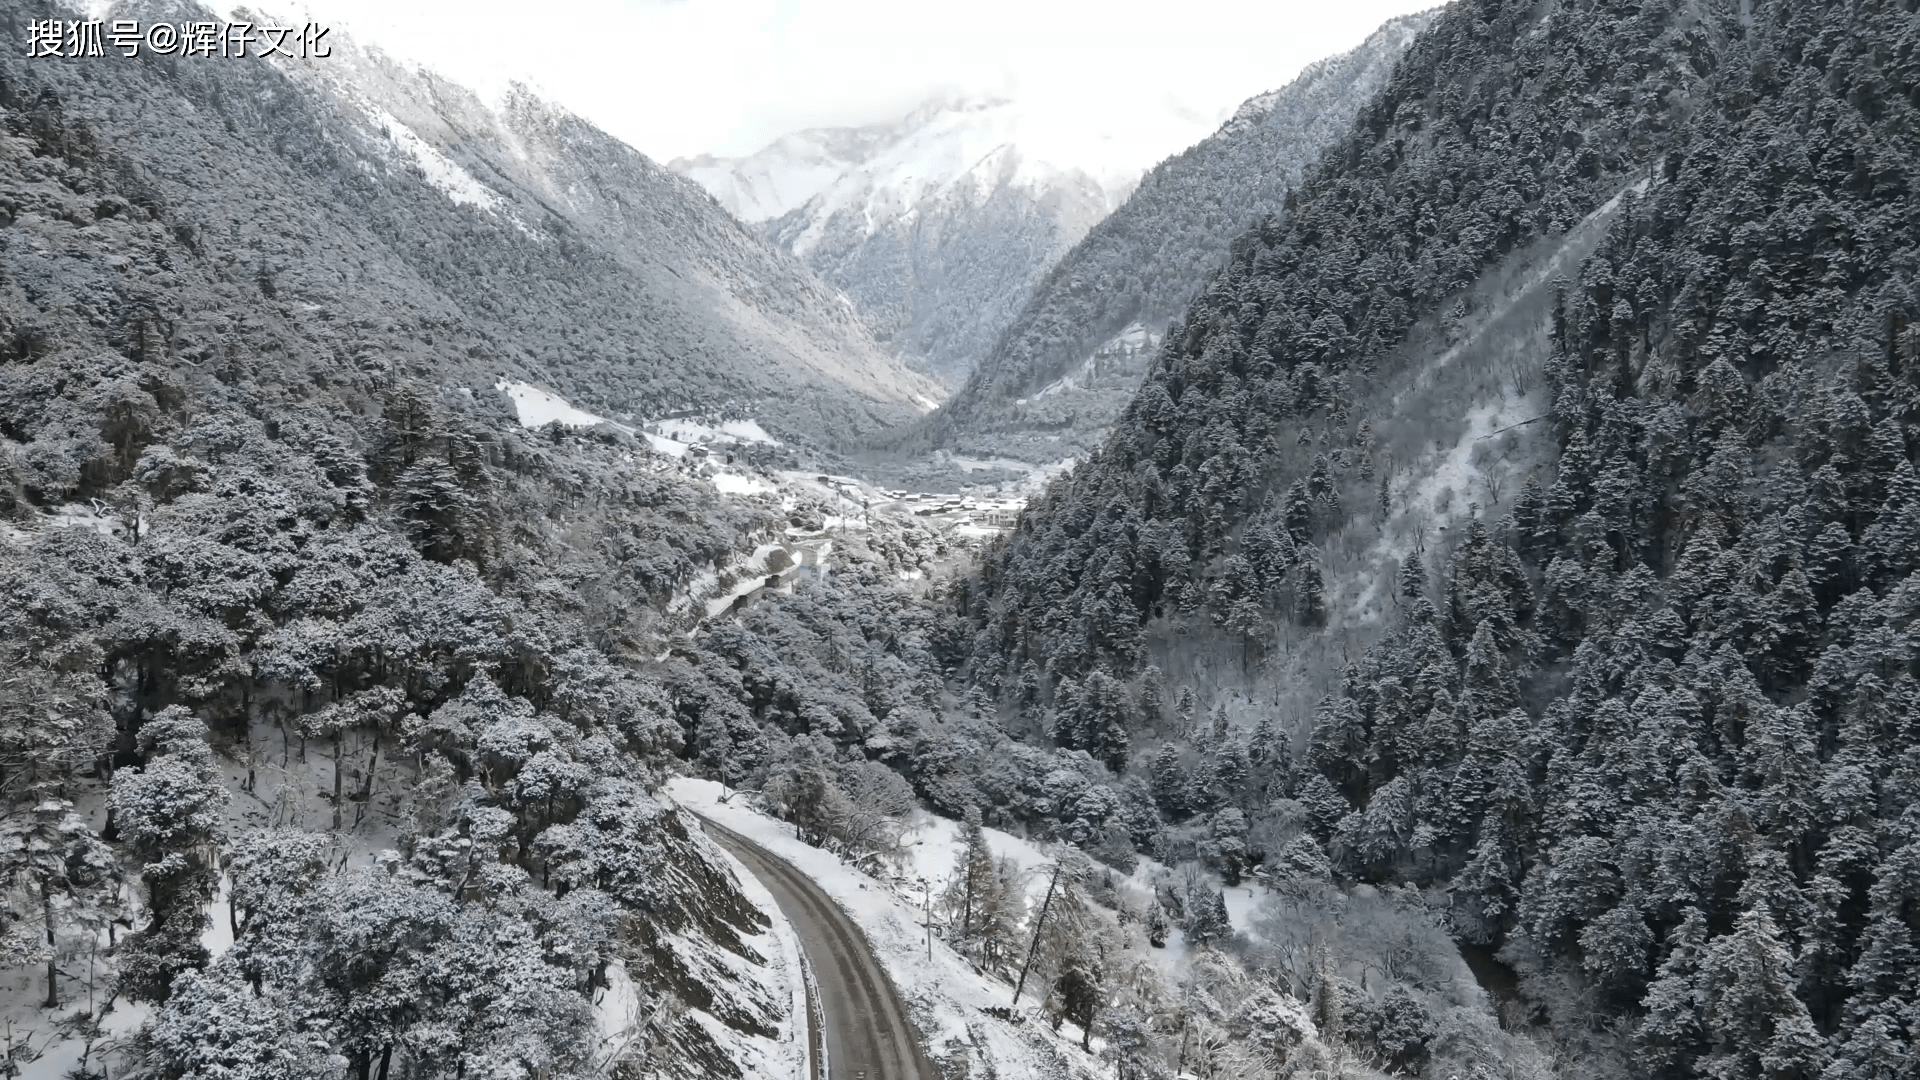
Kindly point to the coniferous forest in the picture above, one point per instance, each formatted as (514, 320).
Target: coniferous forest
(1649, 723)
(1484, 647)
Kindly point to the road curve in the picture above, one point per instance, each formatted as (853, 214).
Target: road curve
(868, 1034)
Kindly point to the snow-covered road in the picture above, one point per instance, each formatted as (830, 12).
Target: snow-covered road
(868, 1035)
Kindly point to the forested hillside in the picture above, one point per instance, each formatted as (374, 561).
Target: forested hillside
(1145, 262)
(1642, 723)
(325, 744)
(402, 225)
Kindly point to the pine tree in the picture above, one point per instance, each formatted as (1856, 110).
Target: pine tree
(1325, 805)
(1207, 921)
(1309, 597)
(1157, 925)
(1757, 1023)
(1484, 891)
(1488, 682)
(1170, 781)
(973, 896)
(170, 812)
(1886, 977)
(1153, 697)
(1672, 1035)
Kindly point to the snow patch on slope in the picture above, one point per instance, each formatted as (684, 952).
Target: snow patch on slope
(616, 1013)
(91, 517)
(936, 844)
(441, 171)
(732, 431)
(735, 484)
(538, 408)
(1493, 368)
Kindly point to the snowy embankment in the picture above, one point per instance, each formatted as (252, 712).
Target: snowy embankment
(933, 852)
(783, 1055)
(947, 997)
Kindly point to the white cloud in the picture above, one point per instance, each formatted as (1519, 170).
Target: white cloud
(682, 77)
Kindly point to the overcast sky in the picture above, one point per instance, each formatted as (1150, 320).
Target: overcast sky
(681, 77)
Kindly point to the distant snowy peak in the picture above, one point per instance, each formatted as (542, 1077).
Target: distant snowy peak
(786, 174)
(936, 226)
(965, 148)
(960, 157)
(1063, 369)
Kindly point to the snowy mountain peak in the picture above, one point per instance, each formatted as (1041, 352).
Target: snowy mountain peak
(970, 145)
(936, 225)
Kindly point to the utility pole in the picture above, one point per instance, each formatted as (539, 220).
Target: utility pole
(1039, 922)
(927, 888)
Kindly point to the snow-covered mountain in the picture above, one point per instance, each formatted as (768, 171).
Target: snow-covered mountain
(576, 261)
(787, 173)
(937, 226)
(1071, 359)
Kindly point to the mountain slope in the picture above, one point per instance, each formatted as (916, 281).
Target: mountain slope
(1555, 457)
(1068, 353)
(327, 727)
(406, 211)
(936, 226)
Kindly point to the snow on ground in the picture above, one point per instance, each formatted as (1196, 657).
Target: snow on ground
(751, 573)
(663, 445)
(217, 938)
(441, 171)
(616, 1014)
(85, 516)
(946, 997)
(537, 408)
(735, 484)
(60, 1058)
(733, 431)
(933, 851)
(703, 583)
(1454, 476)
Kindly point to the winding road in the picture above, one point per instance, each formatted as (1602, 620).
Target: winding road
(867, 1033)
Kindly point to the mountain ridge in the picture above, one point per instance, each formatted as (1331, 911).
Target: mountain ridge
(698, 313)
